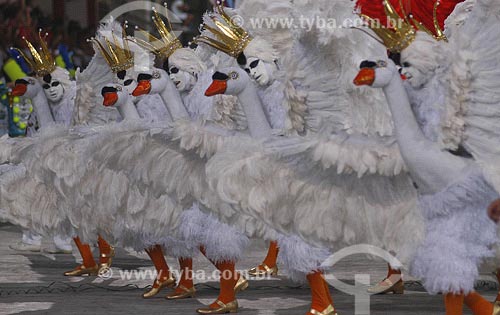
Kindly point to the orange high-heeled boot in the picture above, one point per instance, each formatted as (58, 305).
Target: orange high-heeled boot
(269, 266)
(478, 304)
(226, 302)
(242, 283)
(185, 289)
(106, 254)
(321, 299)
(393, 283)
(89, 266)
(454, 304)
(164, 278)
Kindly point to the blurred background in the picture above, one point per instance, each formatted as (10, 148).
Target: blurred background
(73, 21)
(68, 24)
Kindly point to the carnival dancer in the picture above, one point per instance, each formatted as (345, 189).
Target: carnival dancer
(455, 187)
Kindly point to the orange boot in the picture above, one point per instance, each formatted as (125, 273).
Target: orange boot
(392, 283)
(88, 267)
(242, 283)
(454, 304)
(321, 299)
(106, 254)
(496, 305)
(164, 278)
(269, 265)
(185, 289)
(226, 302)
(478, 305)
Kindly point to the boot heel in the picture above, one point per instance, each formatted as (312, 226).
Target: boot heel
(399, 288)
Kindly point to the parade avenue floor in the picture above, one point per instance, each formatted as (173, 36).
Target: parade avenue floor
(32, 283)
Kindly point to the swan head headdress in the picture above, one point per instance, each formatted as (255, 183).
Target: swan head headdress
(114, 95)
(41, 61)
(254, 54)
(396, 28)
(228, 81)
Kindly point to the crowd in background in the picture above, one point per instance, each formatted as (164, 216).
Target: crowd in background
(20, 18)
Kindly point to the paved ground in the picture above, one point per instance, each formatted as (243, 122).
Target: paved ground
(33, 284)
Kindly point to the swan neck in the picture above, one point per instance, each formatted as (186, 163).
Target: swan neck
(431, 168)
(42, 108)
(128, 111)
(258, 124)
(173, 102)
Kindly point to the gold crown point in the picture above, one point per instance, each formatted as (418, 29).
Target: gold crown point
(164, 46)
(117, 57)
(41, 61)
(228, 37)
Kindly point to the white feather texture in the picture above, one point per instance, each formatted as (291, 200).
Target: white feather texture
(50, 156)
(327, 208)
(152, 109)
(279, 36)
(322, 64)
(459, 235)
(473, 95)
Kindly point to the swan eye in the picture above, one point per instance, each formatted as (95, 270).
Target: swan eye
(156, 74)
(118, 88)
(234, 75)
(381, 63)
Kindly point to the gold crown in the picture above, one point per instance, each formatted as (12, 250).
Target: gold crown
(118, 58)
(41, 61)
(229, 37)
(163, 47)
(439, 35)
(401, 32)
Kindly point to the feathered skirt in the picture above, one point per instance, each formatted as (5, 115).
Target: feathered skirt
(459, 235)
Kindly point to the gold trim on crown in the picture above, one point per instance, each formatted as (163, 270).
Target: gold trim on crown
(395, 37)
(41, 61)
(163, 47)
(439, 32)
(229, 37)
(118, 58)
(401, 32)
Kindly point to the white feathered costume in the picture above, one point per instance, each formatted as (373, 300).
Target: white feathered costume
(342, 186)
(454, 190)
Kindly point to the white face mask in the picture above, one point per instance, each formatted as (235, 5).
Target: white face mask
(414, 76)
(54, 91)
(183, 80)
(260, 71)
